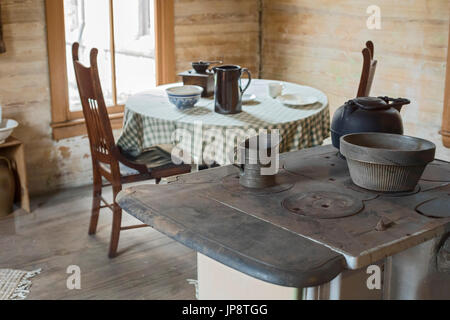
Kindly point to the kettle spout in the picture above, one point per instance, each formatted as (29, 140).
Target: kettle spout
(396, 103)
(399, 103)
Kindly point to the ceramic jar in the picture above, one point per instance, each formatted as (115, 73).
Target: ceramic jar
(7, 187)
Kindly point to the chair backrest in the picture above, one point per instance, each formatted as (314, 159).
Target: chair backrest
(99, 130)
(368, 70)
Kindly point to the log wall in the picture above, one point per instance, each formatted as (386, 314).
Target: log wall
(319, 43)
(226, 30)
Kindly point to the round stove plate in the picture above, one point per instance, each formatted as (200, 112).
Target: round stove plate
(436, 172)
(435, 208)
(323, 204)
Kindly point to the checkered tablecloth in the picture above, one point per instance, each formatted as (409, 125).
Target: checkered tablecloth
(207, 136)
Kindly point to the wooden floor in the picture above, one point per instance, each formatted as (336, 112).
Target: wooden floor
(53, 237)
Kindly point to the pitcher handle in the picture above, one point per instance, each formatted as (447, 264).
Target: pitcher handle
(241, 167)
(249, 78)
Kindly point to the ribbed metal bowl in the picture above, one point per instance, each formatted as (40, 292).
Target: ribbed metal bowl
(386, 162)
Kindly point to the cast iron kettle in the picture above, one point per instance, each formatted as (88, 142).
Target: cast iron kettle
(368, 114)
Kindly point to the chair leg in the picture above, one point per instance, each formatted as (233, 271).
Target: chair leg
(116, 224)
(96, 201)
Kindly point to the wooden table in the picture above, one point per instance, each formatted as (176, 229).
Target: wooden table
(150, 119)
(13, 149)
(254, 232)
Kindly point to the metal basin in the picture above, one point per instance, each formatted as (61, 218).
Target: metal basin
(386, 162)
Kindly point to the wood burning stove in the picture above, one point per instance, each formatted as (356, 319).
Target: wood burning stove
(313, 235)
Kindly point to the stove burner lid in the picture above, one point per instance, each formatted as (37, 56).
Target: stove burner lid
(435, 208)
(323, 204)
(436, 171)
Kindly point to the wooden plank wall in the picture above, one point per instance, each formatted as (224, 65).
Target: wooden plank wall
(25, 96)
(205, 29)
(226, 30)
(446, 113)
(312, 42)
(319, 43)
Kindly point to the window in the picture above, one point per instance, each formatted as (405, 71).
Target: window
(145, 23)
(135, 43)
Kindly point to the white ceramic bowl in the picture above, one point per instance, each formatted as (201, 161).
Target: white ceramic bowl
(6, 128)
(184, 97)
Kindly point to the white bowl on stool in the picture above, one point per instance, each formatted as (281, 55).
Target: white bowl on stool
(6, 128)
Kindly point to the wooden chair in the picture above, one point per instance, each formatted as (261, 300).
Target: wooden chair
(107, 158)
(368, 70)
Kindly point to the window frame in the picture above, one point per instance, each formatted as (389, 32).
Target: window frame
(66, 123)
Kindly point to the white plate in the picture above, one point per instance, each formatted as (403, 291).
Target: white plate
(247, 97)
(297, 100)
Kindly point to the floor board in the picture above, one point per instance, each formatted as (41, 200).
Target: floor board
(54, 236)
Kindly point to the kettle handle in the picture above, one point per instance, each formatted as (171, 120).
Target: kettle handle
(249, 79)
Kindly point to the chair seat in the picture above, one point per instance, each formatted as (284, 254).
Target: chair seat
(156, 157)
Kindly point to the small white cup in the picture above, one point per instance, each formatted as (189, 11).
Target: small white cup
(275, 89)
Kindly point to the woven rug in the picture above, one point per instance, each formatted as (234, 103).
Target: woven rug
(15, 284)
